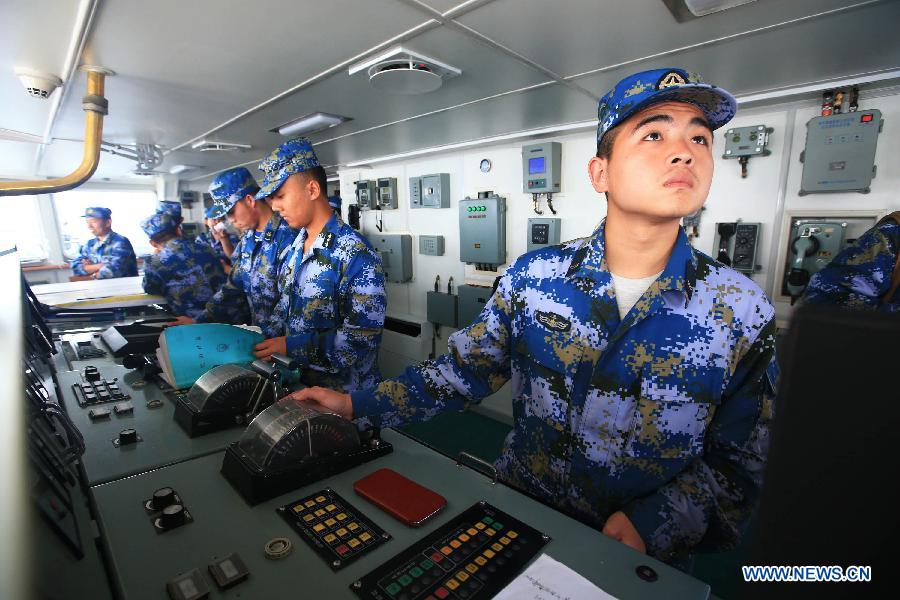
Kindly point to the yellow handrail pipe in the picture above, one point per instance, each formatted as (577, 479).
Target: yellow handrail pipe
(96, 106)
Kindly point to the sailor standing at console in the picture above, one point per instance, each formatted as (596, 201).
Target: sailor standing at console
(332, 283)
(109, 254)
(185, 271)
(642, 370)
(251, 291)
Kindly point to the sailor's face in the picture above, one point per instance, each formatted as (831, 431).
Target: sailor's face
(661, 164)
(294, 201)
(98, 227)
(242, 215)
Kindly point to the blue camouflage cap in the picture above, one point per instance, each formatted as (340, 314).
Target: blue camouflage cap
(159, 222)
(230, 186)
(335, 202)
(170, 207)
(641, 90)
(97, 212)
(213, 212)
(293, 156)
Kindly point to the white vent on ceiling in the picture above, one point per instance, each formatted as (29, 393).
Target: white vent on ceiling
(403, 71)
(208, 146)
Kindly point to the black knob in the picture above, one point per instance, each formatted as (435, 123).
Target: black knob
(91, 374)
(162, 498)
(127, 436)
(172, 516)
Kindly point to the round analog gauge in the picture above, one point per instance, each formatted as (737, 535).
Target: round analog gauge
(485, 165)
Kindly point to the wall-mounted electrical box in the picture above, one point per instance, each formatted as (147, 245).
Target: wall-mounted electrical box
(430, 191)
(482, 230)
(441, 308)
(736, 245)
(541, 166)
(542, 233)
(395, 250)
(366, 194)
(747, 141)
(431, 245)
(472, 299)
(840, 152)
(387, 193)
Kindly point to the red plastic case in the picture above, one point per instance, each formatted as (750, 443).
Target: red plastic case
(402, 498)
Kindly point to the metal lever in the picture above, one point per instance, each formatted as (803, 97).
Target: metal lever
(480, 461)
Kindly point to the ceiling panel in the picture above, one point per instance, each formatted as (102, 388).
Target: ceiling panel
(590, 34)
(33, 34)
(757, 63)
(185, 67)
(485, 72)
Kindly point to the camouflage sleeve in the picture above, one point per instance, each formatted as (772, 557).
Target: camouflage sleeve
(477, 365)
(229, 304)
(363, 304)
(75, 263)
(117, 262)
(860, 275)
(153, 283)
(708, 505)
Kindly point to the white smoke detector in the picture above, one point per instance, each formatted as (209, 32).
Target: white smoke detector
(38, 84)
(402, 71)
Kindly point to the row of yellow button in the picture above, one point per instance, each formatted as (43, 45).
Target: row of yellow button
(320, 527)
(480, 561)
(331, 538)
(309, 518)
(310, 503)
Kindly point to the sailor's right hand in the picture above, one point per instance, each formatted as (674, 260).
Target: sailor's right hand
(182, 320)
(323, 399)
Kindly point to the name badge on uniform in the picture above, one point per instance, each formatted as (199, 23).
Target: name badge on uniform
(553, 321)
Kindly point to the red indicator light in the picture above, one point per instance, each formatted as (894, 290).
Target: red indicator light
(866, 118)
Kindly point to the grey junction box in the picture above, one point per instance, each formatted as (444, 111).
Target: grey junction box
(441, 308)
(482, 230)
(430, 191)
(395, 250)
(472, 299)
(840, 152)
(431, 245)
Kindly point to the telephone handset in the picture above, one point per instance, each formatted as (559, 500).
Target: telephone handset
(726, 232)
(803, 246)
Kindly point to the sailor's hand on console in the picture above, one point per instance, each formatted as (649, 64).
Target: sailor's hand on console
(182, 320)
(619, 527)
(324, 399)
(267, 348)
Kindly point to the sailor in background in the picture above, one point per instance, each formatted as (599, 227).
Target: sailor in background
(332, 283)
(217, 236)
(106, 256)
(251, 291)
(185, 271)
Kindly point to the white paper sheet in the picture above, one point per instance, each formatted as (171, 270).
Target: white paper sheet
(548, 579)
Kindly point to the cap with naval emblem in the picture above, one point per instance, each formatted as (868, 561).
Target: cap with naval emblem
(159, 223)
(97, 212)
(293, 156)
(641, 90)
(168, 206)
(229, 187)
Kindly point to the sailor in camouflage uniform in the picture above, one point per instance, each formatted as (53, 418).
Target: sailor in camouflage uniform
(172, 208)
(332, 283)
(251, 290)
(223, 244)
(109, 254)
(649, 420)
(865, 275)
(186, 272)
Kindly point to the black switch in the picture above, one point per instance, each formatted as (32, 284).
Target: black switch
(127, 436)
(172, 516)
(162, 498)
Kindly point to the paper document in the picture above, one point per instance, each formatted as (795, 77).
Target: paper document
(186, 352)
(548, 579)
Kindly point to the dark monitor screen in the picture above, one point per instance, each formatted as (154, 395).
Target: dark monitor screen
(830, 495)
(536, 165)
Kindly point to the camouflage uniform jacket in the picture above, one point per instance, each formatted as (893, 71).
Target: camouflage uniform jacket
(207, 239)
(116, 254)
(251, 291)
(860, 275)
(663, 415)
(187, 273)
(333, 304)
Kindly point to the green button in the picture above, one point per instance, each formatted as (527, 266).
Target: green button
(487, 520)
(393, 588)
(404, 580)
(498, 525)
(415, 572)
(426, 564)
